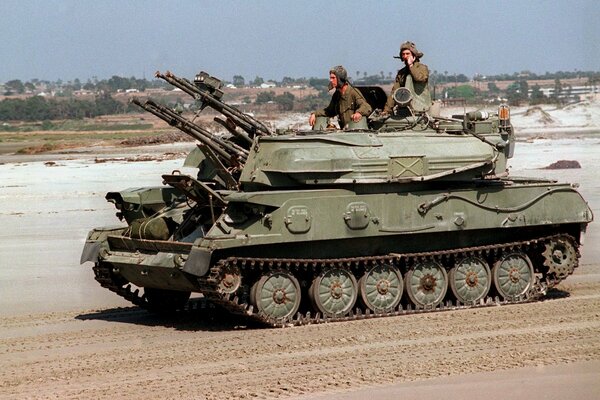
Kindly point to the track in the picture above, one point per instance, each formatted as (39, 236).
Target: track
(238, 303)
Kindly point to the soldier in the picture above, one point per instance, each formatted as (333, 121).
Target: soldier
(347, 102)
(419, 72)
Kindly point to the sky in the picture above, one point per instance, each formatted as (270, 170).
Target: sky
(85, 39)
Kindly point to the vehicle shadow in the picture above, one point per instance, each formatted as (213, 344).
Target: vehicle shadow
(196, 316)
(556, 293)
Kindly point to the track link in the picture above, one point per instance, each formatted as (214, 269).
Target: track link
(237, 303)
(104, 275)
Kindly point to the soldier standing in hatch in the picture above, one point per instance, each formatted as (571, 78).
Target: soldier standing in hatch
(347, 102)
(419, 72)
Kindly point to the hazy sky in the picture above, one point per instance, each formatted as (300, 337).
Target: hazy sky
(83, 39)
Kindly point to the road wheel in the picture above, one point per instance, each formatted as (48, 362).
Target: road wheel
(381, 288)
(334, 292)
(513, 275)
(470, 280)
(276, 295)
(426, 284)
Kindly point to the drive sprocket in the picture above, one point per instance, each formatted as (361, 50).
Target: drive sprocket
(560, 256)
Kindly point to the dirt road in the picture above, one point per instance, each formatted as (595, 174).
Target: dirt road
(127, 353)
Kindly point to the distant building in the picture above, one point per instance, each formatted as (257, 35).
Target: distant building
(569, 92)
(82, 92)
(268, 85)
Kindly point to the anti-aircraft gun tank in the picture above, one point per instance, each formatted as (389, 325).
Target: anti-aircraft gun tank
(413, 212)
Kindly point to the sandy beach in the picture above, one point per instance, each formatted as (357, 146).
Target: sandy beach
(63, 336)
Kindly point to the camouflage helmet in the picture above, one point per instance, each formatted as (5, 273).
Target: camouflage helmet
(413, 49)
(341, 74)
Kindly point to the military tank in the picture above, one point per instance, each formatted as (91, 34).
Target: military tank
(406, 213)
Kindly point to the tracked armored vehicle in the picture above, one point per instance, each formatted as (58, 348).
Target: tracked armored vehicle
(403, 214)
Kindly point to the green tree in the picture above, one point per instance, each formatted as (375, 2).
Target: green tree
(285, 101)
(524, 88)
(463, 91)
(537, 96)
(239, 81)
(557, 90)
(264, 97)
(318, 84)
(30, 87)
(36, 108)
(258, 81)
(517, 92)
(116, 82)
(105, 104)
(462, 78)
(15, 86)
(89, 85)
(287, 81)
(493, 88)
(512, 94)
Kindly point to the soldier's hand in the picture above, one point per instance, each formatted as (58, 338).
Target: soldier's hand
(356, 117)
(312, 119)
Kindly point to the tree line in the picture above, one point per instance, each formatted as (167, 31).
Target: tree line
(116, 83)
(64, 89)
(38, 108)
(66, 106)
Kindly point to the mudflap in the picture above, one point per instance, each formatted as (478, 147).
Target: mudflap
(90, 252)
(198, 262)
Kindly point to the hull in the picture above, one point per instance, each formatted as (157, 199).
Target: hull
(334, 224)
(338, 223)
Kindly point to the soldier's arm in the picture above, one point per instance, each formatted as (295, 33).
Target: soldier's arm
(363, 107)
(419, 72)
(330, 110)
(389, 104)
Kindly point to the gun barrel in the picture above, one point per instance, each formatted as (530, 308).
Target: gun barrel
(225, 150)
(249, 124)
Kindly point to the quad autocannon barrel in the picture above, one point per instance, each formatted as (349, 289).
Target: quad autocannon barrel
(206, 90)
(226, 150)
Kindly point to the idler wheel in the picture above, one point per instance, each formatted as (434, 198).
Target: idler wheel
(277, 295)
(426, 284)
(334, 292)
(470, 280)
(381, 288)
(513, 275)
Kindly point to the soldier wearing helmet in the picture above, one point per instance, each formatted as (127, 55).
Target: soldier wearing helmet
(412, 65)
(347, 102)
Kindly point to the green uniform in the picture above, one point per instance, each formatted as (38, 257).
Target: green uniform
(344, 105)
(419, 72)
